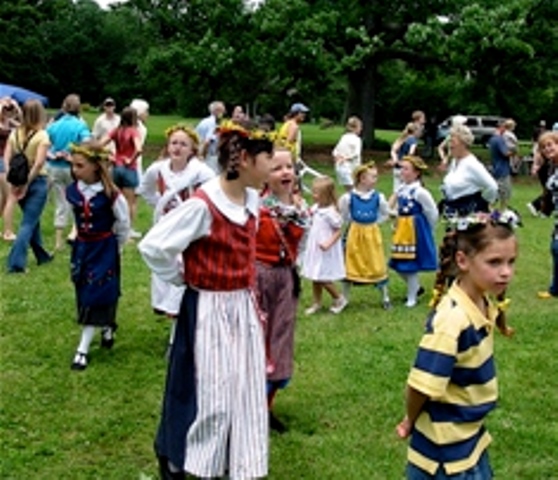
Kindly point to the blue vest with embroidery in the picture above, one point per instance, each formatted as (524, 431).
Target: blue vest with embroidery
(364, 211)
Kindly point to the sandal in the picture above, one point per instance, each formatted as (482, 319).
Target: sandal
(9, 236)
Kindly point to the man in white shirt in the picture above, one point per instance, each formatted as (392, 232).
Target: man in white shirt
(106, 122)
(208, 138)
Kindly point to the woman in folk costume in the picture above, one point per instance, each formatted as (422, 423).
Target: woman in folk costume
(364, 207)
(215, 419)
(413, 249)
(165, 185)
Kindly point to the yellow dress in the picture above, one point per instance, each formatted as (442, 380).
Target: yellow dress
(364, 254)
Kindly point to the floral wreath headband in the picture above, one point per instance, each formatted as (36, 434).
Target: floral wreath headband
(89, 153)
(181, 127)
(509, 218)
(256, 134)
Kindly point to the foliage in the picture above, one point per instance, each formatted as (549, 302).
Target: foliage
(379, 60)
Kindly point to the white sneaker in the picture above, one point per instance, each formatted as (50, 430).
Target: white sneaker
(312, 309)
(532, 209)
(339, 305)
(135, 234)
(411, 303)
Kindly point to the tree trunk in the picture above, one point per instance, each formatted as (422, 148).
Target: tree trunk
(361, 99)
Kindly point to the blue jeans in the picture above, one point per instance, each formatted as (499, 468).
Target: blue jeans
(29, 232)
(481, 471)
(554, 252)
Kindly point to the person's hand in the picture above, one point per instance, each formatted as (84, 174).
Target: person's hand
(389, 163)
(19, 192)
(324, 246)
(403, 429)
(443, 166)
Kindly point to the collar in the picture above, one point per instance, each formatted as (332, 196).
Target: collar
(235, 213)
(364, 195)
(90, 187)
(478, 319)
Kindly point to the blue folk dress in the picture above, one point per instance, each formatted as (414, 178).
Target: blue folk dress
(413, 248)
(95, 259)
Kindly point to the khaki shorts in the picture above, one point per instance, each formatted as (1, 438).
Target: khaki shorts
(504, 188)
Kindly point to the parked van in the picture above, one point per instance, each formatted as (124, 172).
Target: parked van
(482, 127)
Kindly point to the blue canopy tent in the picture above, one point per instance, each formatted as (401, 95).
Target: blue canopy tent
(21, 95)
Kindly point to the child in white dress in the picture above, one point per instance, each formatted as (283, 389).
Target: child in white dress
(347, 153)
(323, 261)
(165, 185)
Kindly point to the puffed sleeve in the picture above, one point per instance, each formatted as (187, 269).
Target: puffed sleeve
(148, 186)
(333, 218)
(344, 206)
(429, 206)
(122, 224)
(167, 239)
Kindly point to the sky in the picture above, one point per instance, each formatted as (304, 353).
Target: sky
(105, 3)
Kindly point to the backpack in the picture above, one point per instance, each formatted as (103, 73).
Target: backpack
(18, 172)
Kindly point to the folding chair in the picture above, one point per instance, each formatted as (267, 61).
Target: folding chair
(302, 169)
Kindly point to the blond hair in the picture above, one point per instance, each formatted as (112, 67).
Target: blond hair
(463, 133)
(325, 190)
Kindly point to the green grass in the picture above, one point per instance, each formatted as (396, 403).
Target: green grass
(341, 407)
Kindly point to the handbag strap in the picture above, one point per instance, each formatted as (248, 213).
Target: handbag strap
(281, 234)
(26, 143)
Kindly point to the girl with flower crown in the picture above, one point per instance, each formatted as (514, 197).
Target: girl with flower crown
(413, 247)
(214, 419)
(103, 225)
(165, 185)
(284, 217)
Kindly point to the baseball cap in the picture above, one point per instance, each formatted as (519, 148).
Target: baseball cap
(109, 101)
(299, 108)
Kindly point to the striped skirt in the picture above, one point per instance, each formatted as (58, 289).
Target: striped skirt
(215, 418)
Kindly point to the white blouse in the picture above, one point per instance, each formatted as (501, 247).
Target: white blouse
(167, 239)
(468, 176)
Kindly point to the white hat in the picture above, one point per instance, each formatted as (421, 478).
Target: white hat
(555, 127)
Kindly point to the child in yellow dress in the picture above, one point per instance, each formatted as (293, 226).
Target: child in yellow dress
(364, 207)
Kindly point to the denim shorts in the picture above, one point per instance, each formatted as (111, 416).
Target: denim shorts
(125, 177)
(2, 166)
(481, 471)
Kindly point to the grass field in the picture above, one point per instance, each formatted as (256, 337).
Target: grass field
(341, 408)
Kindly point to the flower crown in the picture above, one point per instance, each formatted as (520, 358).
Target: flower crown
(90, 153)
(509, 218)
(229, 126)
(181, 127)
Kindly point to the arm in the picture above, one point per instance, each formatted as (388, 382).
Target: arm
(122, 223)
(292, 132)
(415, 401)
(444, 159)
(393, 153)
(484, 180)
(168, 238)
(331, 241)
(428, 205)
(148, 186)
(344, 206)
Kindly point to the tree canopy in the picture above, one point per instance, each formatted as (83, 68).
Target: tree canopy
(379, 60)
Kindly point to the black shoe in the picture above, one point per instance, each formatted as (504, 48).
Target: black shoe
(80, 361)
(45, 260)
(275, 424)
(165, 472)
(107, 336)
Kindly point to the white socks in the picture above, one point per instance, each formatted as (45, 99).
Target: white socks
(86, 338)
(412, 280)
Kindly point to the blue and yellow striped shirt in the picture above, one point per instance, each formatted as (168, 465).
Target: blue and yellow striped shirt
(454, 367)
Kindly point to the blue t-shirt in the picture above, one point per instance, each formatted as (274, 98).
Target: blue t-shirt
(499, 153)
(66, 130)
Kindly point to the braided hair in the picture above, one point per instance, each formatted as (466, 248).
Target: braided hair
(232, 141)
(472, 240)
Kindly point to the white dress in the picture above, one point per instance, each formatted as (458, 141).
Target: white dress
(165, 189)
(350, 148)
(317, 264)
